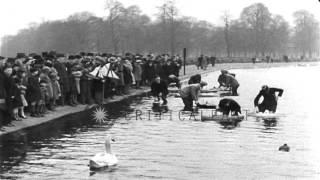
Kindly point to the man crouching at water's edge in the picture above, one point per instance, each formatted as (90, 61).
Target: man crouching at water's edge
(191, 93)
(159, 88)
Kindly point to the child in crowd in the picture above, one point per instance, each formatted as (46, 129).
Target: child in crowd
(34, 92)
(44, 98)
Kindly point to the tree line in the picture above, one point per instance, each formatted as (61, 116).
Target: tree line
(257, 32)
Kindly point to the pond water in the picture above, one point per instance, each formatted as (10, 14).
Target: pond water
(171, 148)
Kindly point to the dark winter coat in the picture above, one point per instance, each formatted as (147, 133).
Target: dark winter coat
(33, 89)
(269, 97)
(229, 105)
(157, 88)
(149, 72)
(64, 77)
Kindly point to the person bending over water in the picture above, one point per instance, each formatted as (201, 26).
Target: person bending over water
(191, 93)
(227, 79)
(159, 88)
(227, 105)
(269, 99)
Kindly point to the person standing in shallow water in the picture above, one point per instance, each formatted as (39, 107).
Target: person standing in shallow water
(270, 99)
(227, 105)
(159, 88)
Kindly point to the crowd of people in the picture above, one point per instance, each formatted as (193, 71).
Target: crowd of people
(38, 84)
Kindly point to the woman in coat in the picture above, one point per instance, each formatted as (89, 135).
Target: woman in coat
(63, 80)
(137, 72)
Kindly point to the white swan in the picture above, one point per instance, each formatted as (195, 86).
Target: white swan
(105, 159)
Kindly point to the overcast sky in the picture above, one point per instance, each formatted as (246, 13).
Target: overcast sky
(18, 14)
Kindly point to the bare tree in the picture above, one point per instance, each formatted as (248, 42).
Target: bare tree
(115, 9)
(226, 19)
(256, 32)
(279, 35)
(306, 32)
(257, 17)
(168, 13)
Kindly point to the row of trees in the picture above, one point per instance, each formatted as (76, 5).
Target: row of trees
(257, 32)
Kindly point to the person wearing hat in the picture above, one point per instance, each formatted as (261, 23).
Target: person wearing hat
(127, 75)
(222, 78)
(213, 60)
(41, 107)
(232, 82)
(10, 95)
(168, 68)
(63, 78)
(159, 68)
(3, 95)
(118, 68)
(227, 79)
(191, 93)
(149, 72)
(86, 83)
(270, 99)
(137, 72)
(200, 61)
(74, 79)
(44, 75)
(22, 85)
(55, 87)
(33, 92)
(177, 66)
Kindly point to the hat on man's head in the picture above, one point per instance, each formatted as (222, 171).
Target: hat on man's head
(33, 69)
(52, 53)
(223, 71)
(77, 57)
(264, 87)
(71, 57)
(60, 55)
(11, 60)
(37, 57)
(20, 55)
(44, 54)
